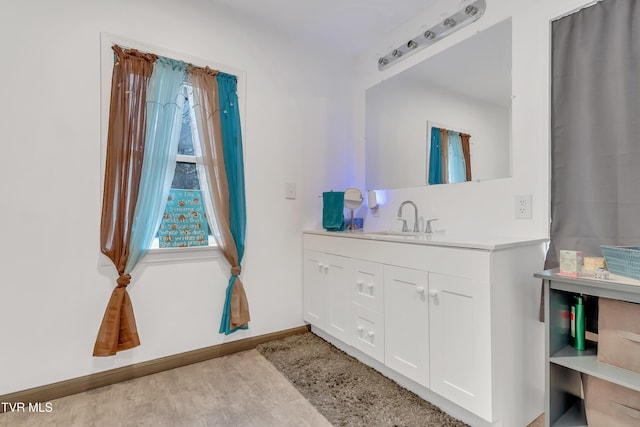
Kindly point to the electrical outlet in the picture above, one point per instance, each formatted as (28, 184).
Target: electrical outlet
(290, 190)
(522, 207)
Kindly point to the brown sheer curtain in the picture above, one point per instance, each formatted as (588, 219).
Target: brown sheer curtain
(466, 151)
(125, 148)
(213, 180)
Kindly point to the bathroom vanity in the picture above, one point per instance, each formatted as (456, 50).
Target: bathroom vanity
(453, 319)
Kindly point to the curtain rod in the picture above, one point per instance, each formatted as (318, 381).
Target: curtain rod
(206, 68)
(577, 9)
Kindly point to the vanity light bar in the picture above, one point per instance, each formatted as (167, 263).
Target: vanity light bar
(460, 19)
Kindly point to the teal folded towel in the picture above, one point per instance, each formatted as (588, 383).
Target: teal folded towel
(333, 210)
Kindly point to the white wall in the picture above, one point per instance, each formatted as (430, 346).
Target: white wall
(54, 287)
(488, 206)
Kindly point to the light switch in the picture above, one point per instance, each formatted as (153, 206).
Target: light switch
(290, 190)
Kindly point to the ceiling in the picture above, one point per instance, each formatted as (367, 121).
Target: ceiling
(344, 26)
(351, 27)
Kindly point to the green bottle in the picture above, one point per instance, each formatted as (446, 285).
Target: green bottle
(578, 326)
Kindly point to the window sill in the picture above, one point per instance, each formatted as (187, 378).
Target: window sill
(166, 255)
(192, 253)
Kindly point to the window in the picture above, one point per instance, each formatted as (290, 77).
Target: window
(185, 183)
(186, 176)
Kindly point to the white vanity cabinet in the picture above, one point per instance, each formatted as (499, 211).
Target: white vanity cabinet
(454, 321)
(326, 294)
(343, 297)
(437, 329)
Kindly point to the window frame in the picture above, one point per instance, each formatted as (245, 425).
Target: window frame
(107, 40)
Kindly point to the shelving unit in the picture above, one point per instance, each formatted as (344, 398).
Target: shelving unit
(564, 405)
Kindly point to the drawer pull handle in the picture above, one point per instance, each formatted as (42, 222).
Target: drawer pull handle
(371, 334)
(433, 293)
(359, 283)
(326, 266)
(420, 289)
(360, 328)
(370, 285)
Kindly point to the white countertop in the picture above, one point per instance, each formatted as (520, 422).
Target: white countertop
(489, 243)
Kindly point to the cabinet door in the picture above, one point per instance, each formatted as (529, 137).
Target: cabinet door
(315, 290)
(327, 293)
(338, 278)
(460, 342)
(406, 308)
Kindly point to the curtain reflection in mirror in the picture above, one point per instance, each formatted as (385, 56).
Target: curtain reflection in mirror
(449, 156)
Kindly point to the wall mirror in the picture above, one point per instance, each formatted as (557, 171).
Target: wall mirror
(465, 87)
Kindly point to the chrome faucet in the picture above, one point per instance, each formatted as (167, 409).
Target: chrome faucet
(427, 227)
(416, 228)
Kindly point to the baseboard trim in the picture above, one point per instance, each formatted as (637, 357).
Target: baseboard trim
(56, 390)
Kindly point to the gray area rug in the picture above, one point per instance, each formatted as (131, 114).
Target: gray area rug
(346, 391)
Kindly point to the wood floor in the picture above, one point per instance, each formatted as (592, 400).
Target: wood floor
(242, 389)
(239, 390)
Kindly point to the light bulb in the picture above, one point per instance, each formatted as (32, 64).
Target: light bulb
(471, 10)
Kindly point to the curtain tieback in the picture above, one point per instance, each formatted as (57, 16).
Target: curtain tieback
(123, 280)
(236, 270)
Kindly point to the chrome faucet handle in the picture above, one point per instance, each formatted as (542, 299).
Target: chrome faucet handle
(427, 227)
(404, 224)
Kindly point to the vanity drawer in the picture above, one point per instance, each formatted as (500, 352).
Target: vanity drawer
(368, 331)
(367, 285)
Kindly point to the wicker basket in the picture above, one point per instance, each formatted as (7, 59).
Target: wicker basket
(623, 260)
